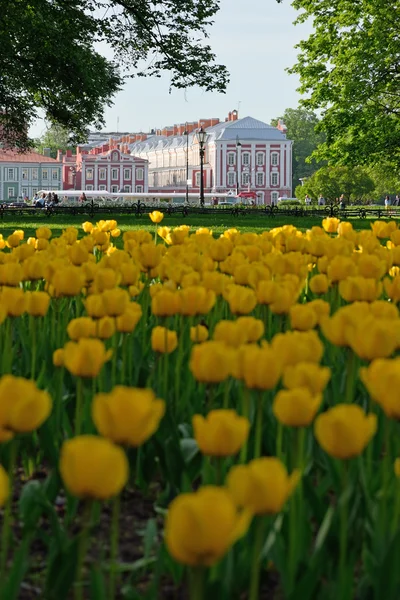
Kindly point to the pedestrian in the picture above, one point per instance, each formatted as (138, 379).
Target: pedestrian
(307, 200)
(387, 203)
(397, 200)
(82, 197)
(321, 200)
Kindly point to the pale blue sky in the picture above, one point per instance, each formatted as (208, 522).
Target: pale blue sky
(255, 40)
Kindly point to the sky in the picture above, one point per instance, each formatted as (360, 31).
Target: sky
(255, 40)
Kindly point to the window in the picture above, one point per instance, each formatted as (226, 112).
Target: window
(139, 189)
(114, 174)
(274, 178)
(24, 192)
(198, 179)
(24, 173)
(34, 174)
(139, 174)
(34, 191)
(274, 159)
(114, 189)
(10, 192)
(70, 177)
(10, 175)
(274, 197)
(89, 173)
(102, 188)
(260, 159)
(54, 175)
(260, 178)
(89, 188)
(102, 174)
(245, 178)
(127, 174)
(45, 174)
(127, 188)
(231, 158)
(246, 159)
(231, 178)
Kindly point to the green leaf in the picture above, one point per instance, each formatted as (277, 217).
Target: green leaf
(324, 529)
(62, 571)
(189, 449)
(17, 573)
(97, 584)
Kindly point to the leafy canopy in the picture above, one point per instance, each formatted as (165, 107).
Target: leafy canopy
(49, 58)
(301, 128)
(355, 183)
(349, 69)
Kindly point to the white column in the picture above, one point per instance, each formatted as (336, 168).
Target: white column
(83, 178)
(96, 176)
(121, 174)
(288, 160)
(253, 166)
(282, 174)
(239, 167)
(224, 151)
(267, 165)
(109, 177)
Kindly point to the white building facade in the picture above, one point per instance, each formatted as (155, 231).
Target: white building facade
(241, 155)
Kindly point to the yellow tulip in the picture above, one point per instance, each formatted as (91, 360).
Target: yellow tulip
(127, 322)
(23, 407)
(302, 317)
(211, 362)
(105, 328)
(11, 274)
(241, 300)
(319, 284)
(115, 301)
(202, 526)
(293, 347)
(307, 375)
(86, 357)
(374, 338)
(199, 333)
(92, 467)
(254, 328)
(221, 433)
(82, 327)
(127, 416)
(43, 233)
(230, 333)
(37, 303)
(68, 281)
(331, 224)
(296, 407)
(382, 380)
(196, 300)
(163, 340)
(263, 486)
(344, 430)
(58, 357)
(156, 216)
(4, 486)
(261, 368)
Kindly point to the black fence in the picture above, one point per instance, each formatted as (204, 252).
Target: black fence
(92, 208)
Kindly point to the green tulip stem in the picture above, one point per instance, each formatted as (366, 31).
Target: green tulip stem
(279, 441)
(293, 539)
(114, 359)
(155, 234)
(245, 413)
(387, 462)
(343, 535)
(259, 425)
(58, 402)
(78, 405)
(145, 308)
(196, 583)
(82, 550)
(32, 325)
(124, 353)
(7, 351)
(396, 514)
(227, 385)
(5, 533)
(114, 544)
(350, 376)
(255, 566)
(219, 470)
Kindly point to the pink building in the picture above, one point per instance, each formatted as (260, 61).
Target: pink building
(105, 167)
(241, 155)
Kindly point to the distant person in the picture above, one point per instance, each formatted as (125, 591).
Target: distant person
(342, 202)
(321, 200)
(82, 197)
(307, 200)
(397, 200)
(55, 198)
(387, 202)
(42, 201)
(35, 198)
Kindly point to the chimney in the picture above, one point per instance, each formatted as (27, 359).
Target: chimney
(229, 116)
(234, 115)
(281, 126)
(59, 155)
(46, 152)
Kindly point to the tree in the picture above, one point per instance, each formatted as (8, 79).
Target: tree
(349, 68)
(301, 124)
(49, 60)
(55, 138)
(355, 183)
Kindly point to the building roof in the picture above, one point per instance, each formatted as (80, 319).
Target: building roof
(246, 129)
(25, 157)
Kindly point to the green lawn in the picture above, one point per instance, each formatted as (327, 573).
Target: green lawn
(218, 223)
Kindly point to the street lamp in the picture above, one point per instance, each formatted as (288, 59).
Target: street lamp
(201, 136)
(238, 145)
(73, 173)
(186, 132)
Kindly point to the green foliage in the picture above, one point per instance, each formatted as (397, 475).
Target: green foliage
(348, 69)
(55, 138)
(355, 183)
(386, 181)
(301, 128)
(49, 60)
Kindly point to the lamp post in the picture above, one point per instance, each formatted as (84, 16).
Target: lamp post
(238, 145)
(73, 173)
(201, 136)
(186, 132)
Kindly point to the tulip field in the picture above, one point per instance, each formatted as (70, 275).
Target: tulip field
(185, 415)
